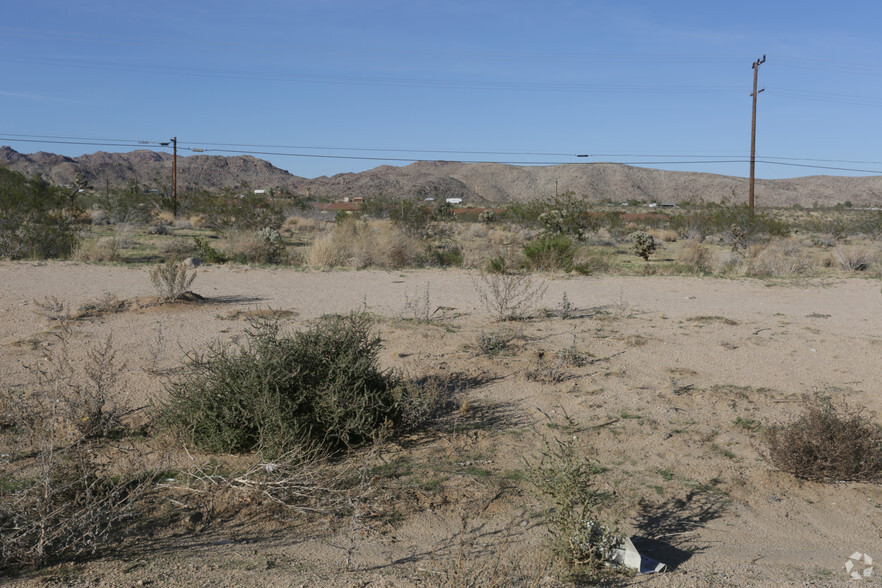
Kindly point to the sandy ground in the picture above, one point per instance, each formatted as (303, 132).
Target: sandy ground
(671, 364)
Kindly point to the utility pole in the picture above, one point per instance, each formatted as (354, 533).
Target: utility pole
(755, 66)
(175, 174)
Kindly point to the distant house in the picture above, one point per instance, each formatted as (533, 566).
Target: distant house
(453, 200)
(260, 191)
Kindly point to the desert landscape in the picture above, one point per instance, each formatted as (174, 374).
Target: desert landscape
(665, 382)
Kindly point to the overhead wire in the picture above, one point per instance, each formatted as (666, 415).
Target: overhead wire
(668, 159)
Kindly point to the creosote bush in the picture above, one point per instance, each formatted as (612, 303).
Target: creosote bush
(550, 253)
(278, 392)
(827, 444)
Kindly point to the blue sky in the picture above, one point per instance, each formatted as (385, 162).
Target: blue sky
(320, 87)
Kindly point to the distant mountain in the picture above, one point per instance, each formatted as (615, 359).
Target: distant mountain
(493, 182)
(149, 168)
(477, 183)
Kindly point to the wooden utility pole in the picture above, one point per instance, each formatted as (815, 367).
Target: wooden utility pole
(755, 66)
(175, 174)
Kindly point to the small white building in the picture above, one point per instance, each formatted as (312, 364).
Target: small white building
(453, 200)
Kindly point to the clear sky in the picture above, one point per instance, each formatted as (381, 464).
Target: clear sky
(320, 87)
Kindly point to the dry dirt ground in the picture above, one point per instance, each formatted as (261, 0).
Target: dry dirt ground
(663, 380)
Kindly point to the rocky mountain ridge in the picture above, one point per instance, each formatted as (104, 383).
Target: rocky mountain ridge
(477, 183)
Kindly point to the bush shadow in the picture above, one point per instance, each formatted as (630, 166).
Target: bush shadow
(665, 531)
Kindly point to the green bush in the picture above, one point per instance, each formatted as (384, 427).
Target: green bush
(720, 219)
(207, 253)
(130, 206)
(247, 213)
(550, 253)
(36, 219)
(582, 535)
(412, 217)
(277, 393)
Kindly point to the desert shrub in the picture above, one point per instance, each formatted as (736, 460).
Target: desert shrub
(494, 342)
(171, 279)
(132, 206)
(36, 219)
(550, 253)
(247, 213)
(666, 235)
(487, 217)
(59, 500)
(104, 249)
(589, 261)
(276, 392)
(412, 217)
(696, 257)
(177, 248)
(509, 295)
(360, 243)
(264, 246)
(566, 214)
(446, 255)
(720, 219)
(642, 244)
(854, 259)
(779, 258)
(204, 251)
(525, 214)
(580, 532)
(827, 444)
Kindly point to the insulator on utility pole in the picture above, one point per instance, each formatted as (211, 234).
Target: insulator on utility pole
(755, 66)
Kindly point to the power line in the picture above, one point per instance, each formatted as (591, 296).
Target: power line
(382, 80)
(108, 142)
(671, 159)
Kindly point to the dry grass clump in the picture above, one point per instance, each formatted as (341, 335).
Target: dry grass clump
(177, 248)
(853, 259)
(780, 258)
(300, 223)
(359, 243)
(697, 257)
(105, 249)
(263, 247)
(827, 444)
(666, 235)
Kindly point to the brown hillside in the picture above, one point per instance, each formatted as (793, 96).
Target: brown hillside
(475, 183)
